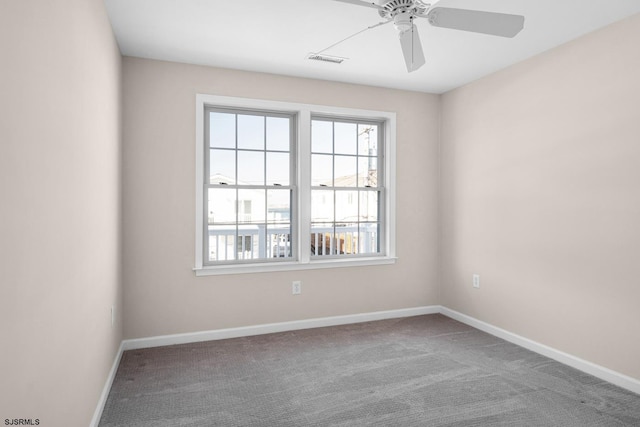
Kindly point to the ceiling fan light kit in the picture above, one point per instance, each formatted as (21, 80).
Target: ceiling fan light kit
(403, 13)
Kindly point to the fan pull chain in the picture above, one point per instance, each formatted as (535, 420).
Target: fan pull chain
(353, 35)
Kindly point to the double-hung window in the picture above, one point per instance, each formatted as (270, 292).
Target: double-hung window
(346, 202)
(284, 186)
(249, 198)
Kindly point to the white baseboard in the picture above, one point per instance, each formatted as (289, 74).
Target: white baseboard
(597, 371)
(270, 328)
(106, 389)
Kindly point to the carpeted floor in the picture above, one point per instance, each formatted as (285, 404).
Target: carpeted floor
(417, 371)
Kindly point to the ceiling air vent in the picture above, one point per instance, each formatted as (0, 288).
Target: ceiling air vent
(325, 58)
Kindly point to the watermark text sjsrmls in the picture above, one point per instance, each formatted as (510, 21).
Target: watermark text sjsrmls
(22, 421)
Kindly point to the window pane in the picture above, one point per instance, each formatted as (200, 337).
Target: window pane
(251, 132)
(250, 168)
(222, 206)
(279, 225)
(346, 206)
(247, 242)
(346, 138)
(278, 133)
(321, 136)
(278, 206)
(322, 207)
(279, 238)
(368, 238)
(346, 236)
(222, 130)
(251, 206)
(346, 174)
(367, 171)
(369, 206)
(336, 241)
(222, 243)
(323, 240)
(222, 166)
(367, 140)
(321, 170)
(278, 168)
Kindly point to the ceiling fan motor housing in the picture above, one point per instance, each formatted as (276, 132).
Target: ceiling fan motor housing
(391, 9)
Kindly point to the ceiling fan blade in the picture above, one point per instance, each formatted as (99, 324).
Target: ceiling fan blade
(368, 3)
(495, 24)
(412, 48)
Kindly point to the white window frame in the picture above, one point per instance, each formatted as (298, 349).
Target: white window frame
(303, 112)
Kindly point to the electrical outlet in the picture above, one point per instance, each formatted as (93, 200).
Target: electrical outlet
(476, 280)
(296, 287)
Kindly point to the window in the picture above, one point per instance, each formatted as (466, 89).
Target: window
(346, 202)
(248, 191)
(282, 186)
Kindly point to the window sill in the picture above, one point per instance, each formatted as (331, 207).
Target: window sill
(292, 266)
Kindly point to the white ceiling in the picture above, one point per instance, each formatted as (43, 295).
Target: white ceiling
(274, 36)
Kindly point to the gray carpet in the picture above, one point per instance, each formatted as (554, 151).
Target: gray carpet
(417, 371)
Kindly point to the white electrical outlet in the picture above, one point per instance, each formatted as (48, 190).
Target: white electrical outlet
(296, 287)
(476, 280)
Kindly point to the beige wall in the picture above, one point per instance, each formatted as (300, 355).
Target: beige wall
(162, 295)
(541, 197)
(59, 208)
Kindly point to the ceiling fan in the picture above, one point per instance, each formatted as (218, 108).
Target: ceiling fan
(403, 12)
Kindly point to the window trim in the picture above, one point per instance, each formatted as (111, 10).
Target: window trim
(303, 113)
